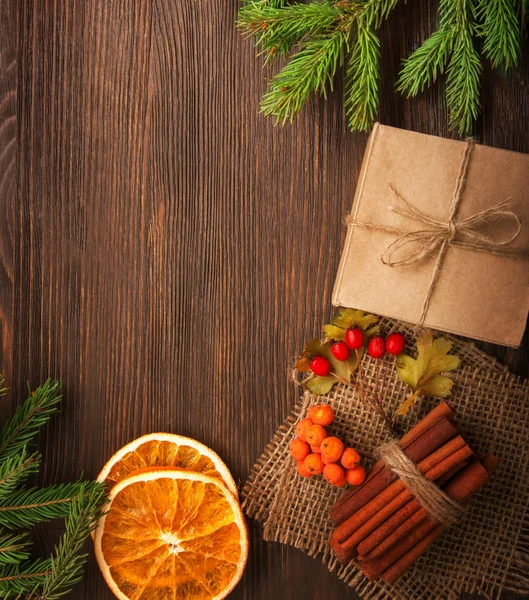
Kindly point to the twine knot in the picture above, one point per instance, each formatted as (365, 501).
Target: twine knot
(439, 505)
(451, 230)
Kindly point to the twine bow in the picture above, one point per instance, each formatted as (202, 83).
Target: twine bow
(438, 236)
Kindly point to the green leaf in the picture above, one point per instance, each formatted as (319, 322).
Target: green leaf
(320, 385)
(424, 374)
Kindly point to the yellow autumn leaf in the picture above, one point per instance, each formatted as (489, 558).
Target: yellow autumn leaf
(424, 374)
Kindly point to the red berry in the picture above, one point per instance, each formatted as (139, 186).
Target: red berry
(320, 366)
(376, 347)
(340, 350)
(354, 338)
(395, 343)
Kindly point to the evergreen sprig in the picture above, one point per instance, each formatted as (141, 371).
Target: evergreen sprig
(21, 430)
(322, 35)
(21, 577)
(68, 562)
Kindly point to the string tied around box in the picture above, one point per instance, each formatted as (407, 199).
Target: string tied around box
(433, 241)
(439, 505)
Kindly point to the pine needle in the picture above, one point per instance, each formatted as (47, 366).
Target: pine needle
(324, 32)
(25, 508)
(361, 78)
(277, 30)
(68, 563)
(463, 84)
(311, 70)
(424, 65)
(29, 418)
(13, 548)
(15, 470)
(501, 31)
(16, 580)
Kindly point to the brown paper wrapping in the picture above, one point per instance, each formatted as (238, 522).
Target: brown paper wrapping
(479, 294)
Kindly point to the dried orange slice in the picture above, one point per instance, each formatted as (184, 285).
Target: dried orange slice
(171, 534)
(166, 450)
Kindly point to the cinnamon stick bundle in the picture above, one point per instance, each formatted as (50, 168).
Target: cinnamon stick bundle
(381, 523)
(345, 505)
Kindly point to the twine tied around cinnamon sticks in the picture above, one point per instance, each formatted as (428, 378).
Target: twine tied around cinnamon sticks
(439, 505)
(438, 236)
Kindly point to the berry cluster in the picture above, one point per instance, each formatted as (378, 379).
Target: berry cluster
(354, 340)
(377, 347)
(318, 453)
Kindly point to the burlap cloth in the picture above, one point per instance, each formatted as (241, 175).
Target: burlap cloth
(485, 553)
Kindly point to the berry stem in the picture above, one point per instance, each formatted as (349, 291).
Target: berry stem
(362, 375)
(375, 405)
(386, 366)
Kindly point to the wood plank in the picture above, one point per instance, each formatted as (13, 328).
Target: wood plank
(171, 251)
(8, 181)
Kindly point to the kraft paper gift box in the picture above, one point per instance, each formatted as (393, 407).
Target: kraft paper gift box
(439, 236)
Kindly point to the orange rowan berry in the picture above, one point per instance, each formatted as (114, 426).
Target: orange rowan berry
(316, 449)
(315, 435)
(302, 469)
(321, 414)
(301, 428)
(314, 464)
(299, 449)
(334, 474)
(355, 476)
(331, 450)
(350, 458)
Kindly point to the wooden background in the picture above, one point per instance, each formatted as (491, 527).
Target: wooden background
(167, 251)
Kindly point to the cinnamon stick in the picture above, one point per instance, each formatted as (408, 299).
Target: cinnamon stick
(418, 450)
(408, 525)
(381, 502)
(442, 410)
(391, 575)
(393, 563)
(410, 505)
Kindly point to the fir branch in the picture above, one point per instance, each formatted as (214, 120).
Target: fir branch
(15, 470)
(463, 84)
(451, 47)
(501, 31)
(13, 548)
(309, 71)
(361, 78)
(423, 66)
(29, 418)
(68, 562)
(18, 580)
(276, 30)
(375, 12)
(524, 10)
(28, 507)
(3, 388)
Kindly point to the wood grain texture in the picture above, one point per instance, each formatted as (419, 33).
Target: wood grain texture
(166, 250)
